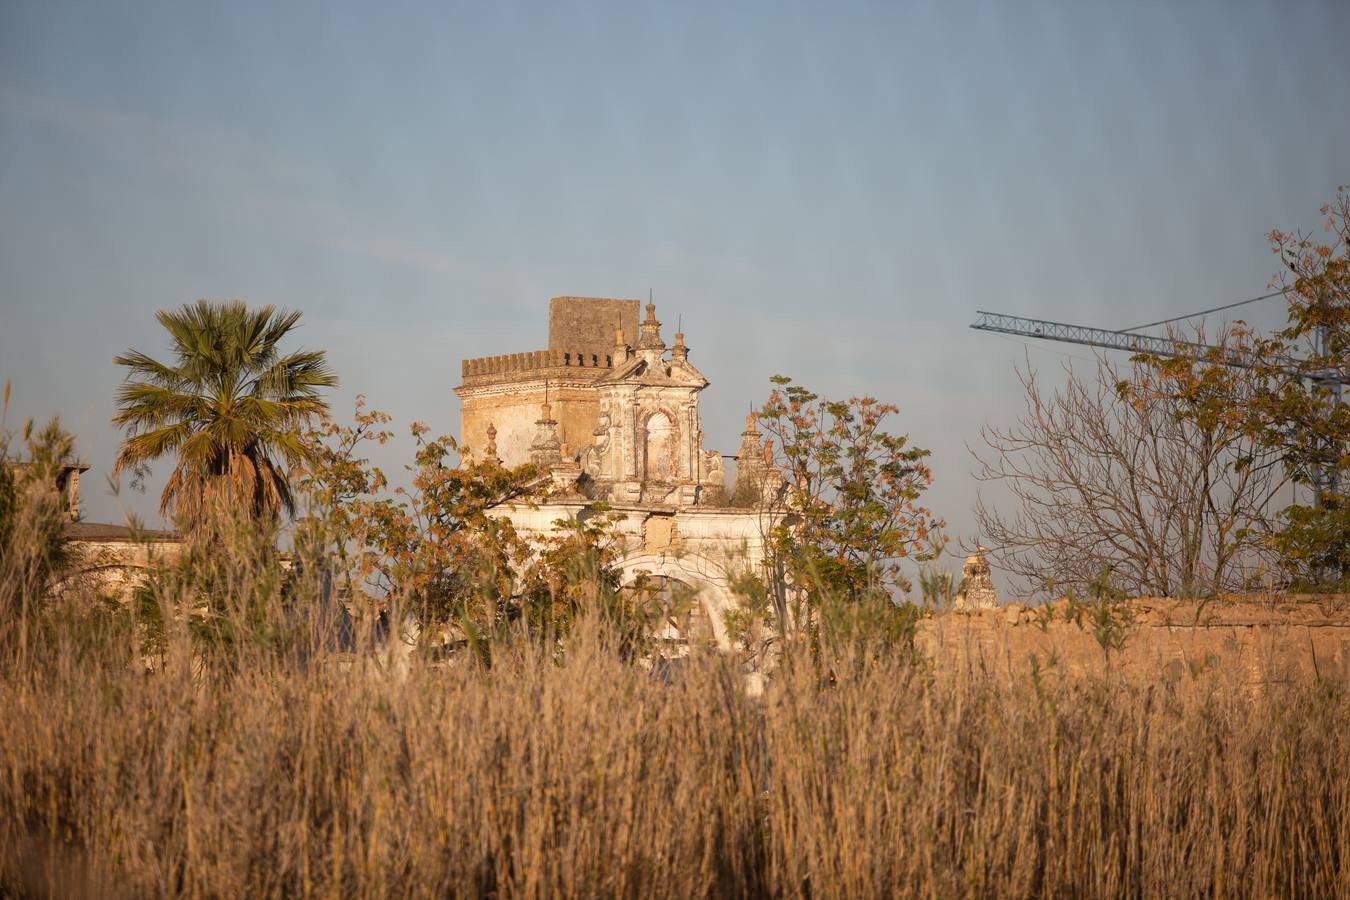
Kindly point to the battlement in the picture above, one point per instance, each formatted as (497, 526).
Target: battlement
(536, 360)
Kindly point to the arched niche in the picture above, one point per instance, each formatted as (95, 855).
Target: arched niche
(660, 454)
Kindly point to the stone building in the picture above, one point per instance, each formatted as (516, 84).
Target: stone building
(619, 422)
(105, 558)
(508, 392)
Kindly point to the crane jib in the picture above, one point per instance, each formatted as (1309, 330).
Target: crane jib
(1132, 342)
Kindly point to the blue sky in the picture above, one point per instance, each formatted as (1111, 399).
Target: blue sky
(824, 191)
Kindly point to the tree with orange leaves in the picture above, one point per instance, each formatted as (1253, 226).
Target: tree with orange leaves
(849, 495)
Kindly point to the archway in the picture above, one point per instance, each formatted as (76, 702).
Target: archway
(694, 589)
(684, 618)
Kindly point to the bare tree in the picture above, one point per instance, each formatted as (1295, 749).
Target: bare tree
(1148, 473)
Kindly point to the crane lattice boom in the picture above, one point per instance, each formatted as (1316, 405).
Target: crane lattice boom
(1128, 341)
(1133, 342)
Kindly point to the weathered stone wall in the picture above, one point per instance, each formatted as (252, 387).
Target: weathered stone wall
(701, 547)
(512, 415)
(1253, 639)
(507, 391)
(586, 324)
(514, 409)
(115, 568)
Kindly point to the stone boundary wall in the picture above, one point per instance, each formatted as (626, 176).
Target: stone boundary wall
(1253, 639)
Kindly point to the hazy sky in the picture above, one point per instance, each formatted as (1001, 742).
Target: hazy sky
(827, 191)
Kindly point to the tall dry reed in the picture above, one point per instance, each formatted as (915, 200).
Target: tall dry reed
(326, 775)
(209, 742)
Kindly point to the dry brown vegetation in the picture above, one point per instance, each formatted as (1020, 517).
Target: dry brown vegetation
(209, 741)
(303, 773)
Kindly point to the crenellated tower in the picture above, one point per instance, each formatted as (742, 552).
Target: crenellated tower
(508, 391)
(625, 416)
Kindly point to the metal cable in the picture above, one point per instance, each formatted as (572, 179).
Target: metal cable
(1203, 312)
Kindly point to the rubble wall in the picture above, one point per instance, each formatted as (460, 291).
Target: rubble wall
(1254, 639)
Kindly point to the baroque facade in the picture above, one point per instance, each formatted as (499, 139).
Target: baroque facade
(618, 422)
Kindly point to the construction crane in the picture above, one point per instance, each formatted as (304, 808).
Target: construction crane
(1325, 478)
(1128, 341)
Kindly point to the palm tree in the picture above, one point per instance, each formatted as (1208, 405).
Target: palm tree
(230, 406)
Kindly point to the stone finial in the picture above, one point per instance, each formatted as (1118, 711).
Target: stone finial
(547, 448)
(492, 444)
(751, 469)
(976, 590)
(679, 350)
(751, 454)
(649, 337)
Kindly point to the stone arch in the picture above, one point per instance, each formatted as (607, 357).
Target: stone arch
(700, 573)
(118, 579)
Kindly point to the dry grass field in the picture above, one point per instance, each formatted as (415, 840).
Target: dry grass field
(208, 741)
(312, 774)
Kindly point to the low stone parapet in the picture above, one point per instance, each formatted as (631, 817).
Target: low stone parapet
(1256, 639)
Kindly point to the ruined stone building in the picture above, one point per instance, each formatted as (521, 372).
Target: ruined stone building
(109, 559)
(611, 412)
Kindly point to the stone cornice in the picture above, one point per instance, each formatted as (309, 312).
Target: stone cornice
(508, 383)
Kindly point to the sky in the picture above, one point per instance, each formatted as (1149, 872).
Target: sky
(825, 191)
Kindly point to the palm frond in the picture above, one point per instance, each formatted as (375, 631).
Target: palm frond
(301, 372)
(142, 406)
(280, 325)
(149, 369)
(143, 448)
(229, 402)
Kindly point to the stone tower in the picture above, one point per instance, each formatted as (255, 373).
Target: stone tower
(976, 590)
(508, 392)
(625, 415)
(611, 413)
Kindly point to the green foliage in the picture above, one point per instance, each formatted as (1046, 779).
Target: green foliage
(435, 549)
(335, 483)
(936, 587)
(1109, 615)
(1287, 399)
(1301, 412)
(850, 495)
(1315, 544)
(230, 406)
(754, 605)
(575, 576)
(440, 550)
(227, 595)
(866, 631)
(30, 497)
(1105, 612)
(33, 517)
